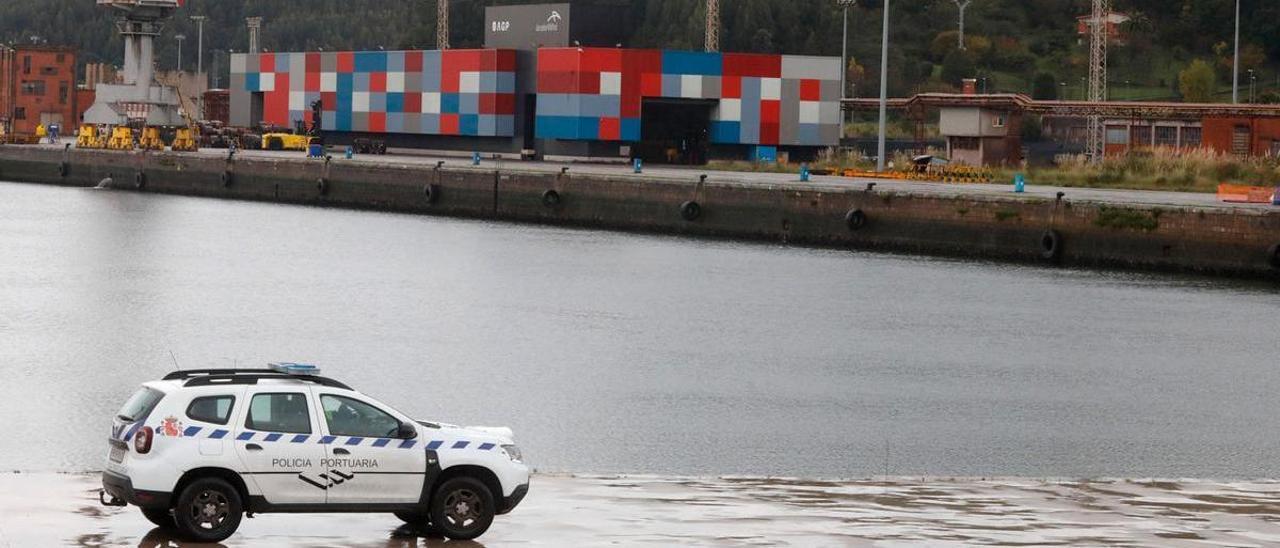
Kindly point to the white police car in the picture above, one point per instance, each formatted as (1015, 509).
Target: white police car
(200, 448)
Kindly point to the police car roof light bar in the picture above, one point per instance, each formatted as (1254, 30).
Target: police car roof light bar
(290, 368)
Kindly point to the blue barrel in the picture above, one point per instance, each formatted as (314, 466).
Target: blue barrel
(1275, 197)
(315, 151)
(1019, 183)
(637, 165)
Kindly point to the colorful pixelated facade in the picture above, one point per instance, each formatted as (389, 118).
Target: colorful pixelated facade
(772, 100)
(452, 92)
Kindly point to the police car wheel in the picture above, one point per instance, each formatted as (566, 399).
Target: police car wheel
(159, 516)
(462, 508)
(208, 510)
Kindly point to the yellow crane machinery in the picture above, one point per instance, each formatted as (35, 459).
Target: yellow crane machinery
(88, 137)
(150, 139)
(121, 138)
(285, 141)
(186, 139)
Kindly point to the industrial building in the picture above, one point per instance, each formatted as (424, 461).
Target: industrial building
(38, 86)
(551, 81)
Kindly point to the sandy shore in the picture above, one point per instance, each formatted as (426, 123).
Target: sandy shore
(62, 509)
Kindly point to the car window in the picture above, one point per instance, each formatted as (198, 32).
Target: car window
(140, 404)
(212, 409)
(284, 412)
(349, 417)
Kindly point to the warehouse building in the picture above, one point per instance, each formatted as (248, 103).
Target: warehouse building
(551, 81)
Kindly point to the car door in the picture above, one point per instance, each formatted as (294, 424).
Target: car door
(371, 463)
(279, 445)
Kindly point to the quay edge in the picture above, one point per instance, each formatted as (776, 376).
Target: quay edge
(1219, 241)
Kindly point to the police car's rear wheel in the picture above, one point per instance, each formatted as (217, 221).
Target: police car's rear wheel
(160, 517)
(462, 508)
(208, 510)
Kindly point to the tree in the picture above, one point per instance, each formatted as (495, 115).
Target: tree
(957, 66)
(1196, 82)
(1045, 87)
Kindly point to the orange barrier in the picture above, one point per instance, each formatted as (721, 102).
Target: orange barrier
(1246, 194)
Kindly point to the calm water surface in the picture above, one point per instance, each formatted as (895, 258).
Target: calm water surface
(613, 352)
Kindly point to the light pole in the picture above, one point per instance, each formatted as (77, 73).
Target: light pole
(884, 89)
(180, 38)
(1253, 78)
(844, 60)
(199, 19)
(1235, 63)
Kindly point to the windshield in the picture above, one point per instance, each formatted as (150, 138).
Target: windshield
(141, 403)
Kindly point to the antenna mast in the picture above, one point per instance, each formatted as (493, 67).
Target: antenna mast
(1098, 75)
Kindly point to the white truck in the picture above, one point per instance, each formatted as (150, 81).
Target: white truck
(200, 448)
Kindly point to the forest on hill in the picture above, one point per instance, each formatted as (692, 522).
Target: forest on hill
(1025, 46)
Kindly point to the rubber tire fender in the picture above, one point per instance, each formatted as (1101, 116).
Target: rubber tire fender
(487, 512)
(855, 219)
(189, 530)
(1051, 245)
(63, 169)
(1273, 256)
(226, 178)
(690, 210)
(139, 180)
(322, 186)
(550, 198)
(431, 192)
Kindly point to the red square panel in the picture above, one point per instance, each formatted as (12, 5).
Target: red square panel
(631, 106)
(346, 62)
(768, 134)
(651, 84)
(557, 82)
(506, 60)
(589, 83)
(810, 90)
(506, 103)
(770, 112)
(610, 129)
(448, 124)
(488, 103)
(378, 122)
(557, 59)
(378, 82)
(413, 102)
(413, 61)
(731, 87)
(313, 62)
(329, 99)
(267, 62)
(313, 81)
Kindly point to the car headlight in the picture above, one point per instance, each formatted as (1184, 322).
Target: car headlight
(513, 453)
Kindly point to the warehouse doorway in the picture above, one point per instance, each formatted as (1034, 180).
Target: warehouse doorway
(675, 131)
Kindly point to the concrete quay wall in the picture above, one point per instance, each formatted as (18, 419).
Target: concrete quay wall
(1221, 241)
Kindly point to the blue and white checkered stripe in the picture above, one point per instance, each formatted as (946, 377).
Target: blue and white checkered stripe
(345, 441)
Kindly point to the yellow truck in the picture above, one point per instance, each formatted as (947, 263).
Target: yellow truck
(285, 141)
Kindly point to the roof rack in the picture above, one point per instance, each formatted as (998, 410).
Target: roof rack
(212, 377)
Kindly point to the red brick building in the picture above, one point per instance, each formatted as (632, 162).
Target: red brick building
(38, 86)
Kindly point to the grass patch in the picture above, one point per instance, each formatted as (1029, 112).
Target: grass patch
(1157, 169)
(1007, 214)
(1121, 218)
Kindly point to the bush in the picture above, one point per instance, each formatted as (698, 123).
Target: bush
(1196, 82)
(957, 66)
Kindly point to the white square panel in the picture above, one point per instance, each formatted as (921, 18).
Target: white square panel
(771, 89)
(469, 82)
(610, 83)
(730, 110)
(431, 102)
(691, 86)
(360, 101)
(395, 82)
(810, 112)
(267, 81)
(328, 81)
(298, 100)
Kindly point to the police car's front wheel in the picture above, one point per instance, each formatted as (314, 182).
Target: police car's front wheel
(208, 510)
(462, 508)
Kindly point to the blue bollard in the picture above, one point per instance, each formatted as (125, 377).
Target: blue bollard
(350, 152)
(637, 165)
(804, 173)
(1019, 183)
(475, 158)
(1275, 197)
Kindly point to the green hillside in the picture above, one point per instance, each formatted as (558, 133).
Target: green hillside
(1012, 43)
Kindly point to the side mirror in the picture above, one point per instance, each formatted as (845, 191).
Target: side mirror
(406, 431)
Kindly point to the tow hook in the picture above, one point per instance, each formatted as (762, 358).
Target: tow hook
(102, 497)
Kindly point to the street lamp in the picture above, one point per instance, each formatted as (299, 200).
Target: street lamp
(844, 59)
(1253, 78)
(884, 89)
(1235, 62)
(180, 38)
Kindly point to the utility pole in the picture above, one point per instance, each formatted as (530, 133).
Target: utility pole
(442, 24)
(255, 26)
(884, 90)
(844, 61)
(963, 5)
(1235, 62)
(713, 25)
(1098, 75)
(199, 19)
